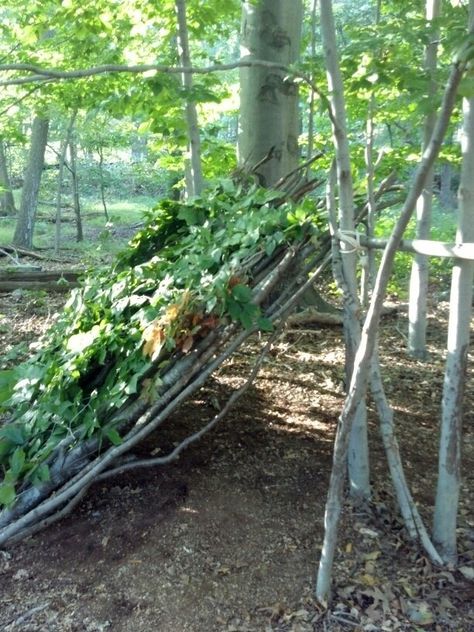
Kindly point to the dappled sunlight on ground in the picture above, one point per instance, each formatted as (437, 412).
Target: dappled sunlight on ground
(226, 539)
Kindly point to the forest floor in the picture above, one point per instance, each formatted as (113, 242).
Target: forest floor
(228, 537)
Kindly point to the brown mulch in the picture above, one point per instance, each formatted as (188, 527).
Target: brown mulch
(228, 537)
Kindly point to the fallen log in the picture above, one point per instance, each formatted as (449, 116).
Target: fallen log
(312, 316)
(38, 280)
(25, 252)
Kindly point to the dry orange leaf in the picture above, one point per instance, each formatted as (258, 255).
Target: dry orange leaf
(187, 344)
(154, 340)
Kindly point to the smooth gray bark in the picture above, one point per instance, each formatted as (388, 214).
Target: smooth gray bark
(358, 455)
(417, 307)
(363, 360)
(193, 166)
(269, 123)
(7, 203)
(427, 247)
(25, 225)
(369, 269)
(312, 94)
(449, 466)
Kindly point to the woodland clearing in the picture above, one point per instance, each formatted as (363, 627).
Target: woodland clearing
(227, 538)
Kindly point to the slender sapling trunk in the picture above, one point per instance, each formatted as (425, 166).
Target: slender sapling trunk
(417, 307)
(460, 312)
(358, 457)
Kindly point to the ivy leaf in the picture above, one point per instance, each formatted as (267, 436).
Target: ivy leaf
(113, 436)
(7, 493)
(7, 383)
(13, 433)
(132, 387)
(249, 315)
(264, 324)
(235, 310)
(17, 461)
(270, 246)
(41, 474)
(191, 215)
(242, 293)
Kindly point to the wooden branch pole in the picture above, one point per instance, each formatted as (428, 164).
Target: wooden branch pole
(448, 487)
(363, 360)
(358, 453)
(425, 247)
(38, 280)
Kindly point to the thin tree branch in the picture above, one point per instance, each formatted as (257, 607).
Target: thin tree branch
(174, 454)
(362, 364)
(40, 74)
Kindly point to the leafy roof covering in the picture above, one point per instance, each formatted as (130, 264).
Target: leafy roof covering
(186, 273)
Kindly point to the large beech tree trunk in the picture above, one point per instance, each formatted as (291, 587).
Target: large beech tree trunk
(25, 225)
(417, 309)
(269, 119)
(449, 467)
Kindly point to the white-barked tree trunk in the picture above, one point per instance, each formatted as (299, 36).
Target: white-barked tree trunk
(417, 307)
(460, 313)
(269, 123)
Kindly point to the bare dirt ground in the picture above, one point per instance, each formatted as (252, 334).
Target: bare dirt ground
(228, 537)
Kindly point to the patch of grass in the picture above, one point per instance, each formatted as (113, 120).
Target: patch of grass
(121, 211)
(102, 239)
(7, 226)
(443, 229)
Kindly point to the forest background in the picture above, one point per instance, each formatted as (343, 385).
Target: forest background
(125, 103)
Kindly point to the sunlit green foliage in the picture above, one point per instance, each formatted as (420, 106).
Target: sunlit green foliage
(188, 271)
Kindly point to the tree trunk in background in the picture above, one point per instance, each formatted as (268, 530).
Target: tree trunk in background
(75, 189)
(193, 167)
(59, 193)
(358, 453)
(7, 203)
(269, 117)
(25, 225)
(312, 94)
(417, 308)
(460, 312)
(100, 151)
(446, 193)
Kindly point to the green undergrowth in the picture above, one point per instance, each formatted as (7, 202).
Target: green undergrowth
(187, 272)
(443, 229)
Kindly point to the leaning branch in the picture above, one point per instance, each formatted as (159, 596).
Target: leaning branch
(362, 364)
